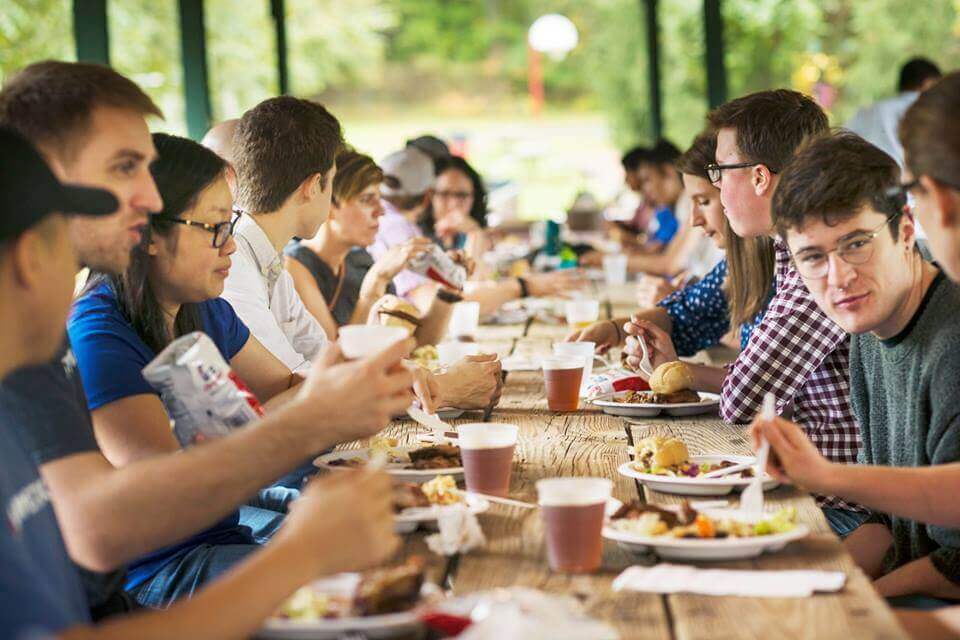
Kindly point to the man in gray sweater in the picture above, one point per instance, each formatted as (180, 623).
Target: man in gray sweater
(840, 209)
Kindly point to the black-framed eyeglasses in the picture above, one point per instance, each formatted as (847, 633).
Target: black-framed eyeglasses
(715, 171)
(222, 231)
(858, 249)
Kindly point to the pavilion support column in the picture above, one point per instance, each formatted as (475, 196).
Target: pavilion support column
(193, 54)
(278, 11)
(90, 31)
(714, 52)
(653, 67)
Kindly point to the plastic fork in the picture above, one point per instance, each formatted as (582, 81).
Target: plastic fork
(645, 365)
(430, 421)
(751, 501)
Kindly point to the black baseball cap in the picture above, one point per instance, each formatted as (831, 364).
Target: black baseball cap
(29, 192)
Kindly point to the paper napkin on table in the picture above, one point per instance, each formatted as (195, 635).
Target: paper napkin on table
(672, 578)
(459, 531)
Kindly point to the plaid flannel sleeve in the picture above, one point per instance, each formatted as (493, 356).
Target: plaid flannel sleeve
(791, 343)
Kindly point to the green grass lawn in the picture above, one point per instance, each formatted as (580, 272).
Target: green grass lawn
(551, 158)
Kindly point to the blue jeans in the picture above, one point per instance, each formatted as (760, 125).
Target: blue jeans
(186, 573)
(296, 478)
(842, 521)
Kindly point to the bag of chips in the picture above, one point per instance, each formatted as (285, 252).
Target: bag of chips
(201, 394)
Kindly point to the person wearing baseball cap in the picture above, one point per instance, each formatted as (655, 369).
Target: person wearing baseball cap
(37, 268)
(30, 192)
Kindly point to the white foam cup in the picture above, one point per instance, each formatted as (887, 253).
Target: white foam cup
(362, 340)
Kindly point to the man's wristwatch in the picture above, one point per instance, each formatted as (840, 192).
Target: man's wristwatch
(449, 296)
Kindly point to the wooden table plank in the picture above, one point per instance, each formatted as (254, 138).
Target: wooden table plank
(582, 444)
(855, 612)
(588, 443)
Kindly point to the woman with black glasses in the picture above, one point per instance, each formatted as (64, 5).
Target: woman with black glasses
(120, 323)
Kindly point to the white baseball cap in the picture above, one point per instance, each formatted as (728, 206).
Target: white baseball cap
(408, 172)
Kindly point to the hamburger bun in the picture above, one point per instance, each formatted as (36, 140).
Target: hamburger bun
(671, 377)
(397, 312)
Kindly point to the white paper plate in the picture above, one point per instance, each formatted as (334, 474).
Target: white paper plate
(704, 549)
(408, 520)
(697, 486)
(385, 626)
(708, 404)
(395, 469)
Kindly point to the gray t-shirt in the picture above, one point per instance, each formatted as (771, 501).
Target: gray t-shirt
(47, 408)
(355, 267)
(905, 396)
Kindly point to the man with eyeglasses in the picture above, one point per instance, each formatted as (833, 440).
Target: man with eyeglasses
(840, 208)
(796, 353)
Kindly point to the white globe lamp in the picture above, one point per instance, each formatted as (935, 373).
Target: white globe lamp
(554, 35)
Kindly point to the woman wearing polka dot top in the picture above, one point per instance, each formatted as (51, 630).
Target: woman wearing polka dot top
(734, 293)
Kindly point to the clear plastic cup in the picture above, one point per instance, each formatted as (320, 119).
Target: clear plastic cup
(572, 510)
(362, 340)
(583, 350)
(464, 321)
(615, 269)
(581, 313)
(486, 449)
(561, 377)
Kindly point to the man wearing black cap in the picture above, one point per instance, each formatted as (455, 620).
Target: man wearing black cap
(41, 590)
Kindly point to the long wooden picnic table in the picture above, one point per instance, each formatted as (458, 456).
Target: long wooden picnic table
(590, 443)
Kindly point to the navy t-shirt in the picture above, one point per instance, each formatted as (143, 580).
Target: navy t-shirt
(40, 591)
(110, 357)
(46, 407)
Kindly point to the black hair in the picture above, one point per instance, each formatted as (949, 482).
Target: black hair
(663, 152)
(182, 171)
(479, 209)
(915, 72)
(631, 159)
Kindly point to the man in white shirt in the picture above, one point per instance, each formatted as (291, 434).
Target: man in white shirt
(284, 151)
(280, 201)
(878, 122)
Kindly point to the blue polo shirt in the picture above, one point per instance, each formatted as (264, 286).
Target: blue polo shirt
(110, 357)
(40, 590)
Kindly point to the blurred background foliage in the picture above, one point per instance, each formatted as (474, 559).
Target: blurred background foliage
(394, 68)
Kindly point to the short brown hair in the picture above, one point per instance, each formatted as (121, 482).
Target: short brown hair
(51, 102)
(770, 125)
(355, 172)
(702, 152)
(831, 178)
(930, 132)
(278, 144)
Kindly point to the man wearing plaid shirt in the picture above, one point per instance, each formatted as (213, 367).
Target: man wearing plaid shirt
(796, 353)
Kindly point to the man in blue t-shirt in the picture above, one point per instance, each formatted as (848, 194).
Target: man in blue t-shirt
(40, 590)
(659, 183)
